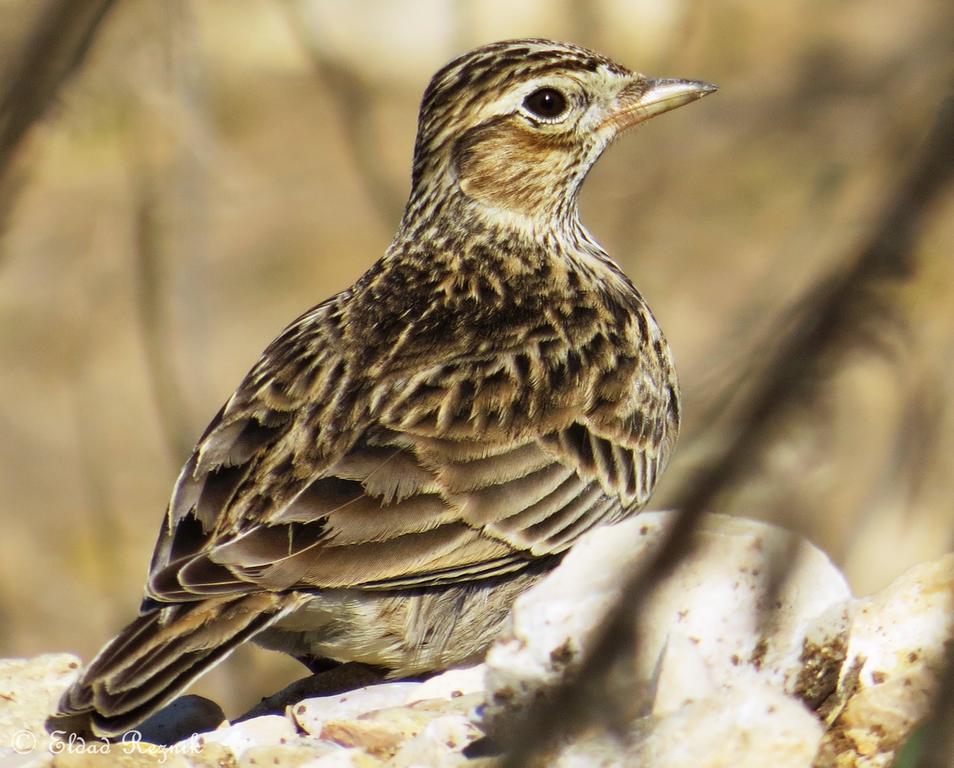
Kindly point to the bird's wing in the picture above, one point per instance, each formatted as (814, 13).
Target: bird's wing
(318, 474)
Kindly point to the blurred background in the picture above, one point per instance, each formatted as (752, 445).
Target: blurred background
(202, 171)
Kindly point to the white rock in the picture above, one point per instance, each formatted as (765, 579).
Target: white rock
(29, 691)
(259, 731)
(683, 676)
(305, 752)
(450, 685)
(895, 655)
(721, 672)
(906, 625)
(738, 727)
(714, 600)
(439, 744)
(343, 758)
(312, 714)
(382, 733)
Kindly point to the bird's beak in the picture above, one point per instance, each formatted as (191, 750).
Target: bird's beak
(647, 97)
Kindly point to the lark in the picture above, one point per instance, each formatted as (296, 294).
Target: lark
(411, 454)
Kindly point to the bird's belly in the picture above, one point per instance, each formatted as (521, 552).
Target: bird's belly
(406, 632)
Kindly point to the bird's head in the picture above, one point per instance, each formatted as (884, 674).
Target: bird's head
(515, 126)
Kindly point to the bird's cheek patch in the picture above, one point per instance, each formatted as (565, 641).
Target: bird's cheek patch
(509, 167)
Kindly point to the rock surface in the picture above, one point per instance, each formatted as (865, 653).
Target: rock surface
(29, 691)
(716, 622)
(895, 655)
(736, 660)
(734, 727)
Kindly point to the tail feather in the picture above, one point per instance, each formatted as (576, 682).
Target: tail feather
(158, 655)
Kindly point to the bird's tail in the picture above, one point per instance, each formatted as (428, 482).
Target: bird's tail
(156, 656)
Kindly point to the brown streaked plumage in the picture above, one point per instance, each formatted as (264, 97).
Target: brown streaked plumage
(409, 455)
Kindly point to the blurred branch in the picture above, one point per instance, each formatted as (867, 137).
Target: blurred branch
(831, 314)
(148, 275)
(919, 438)
(353, 99)
(52, 53)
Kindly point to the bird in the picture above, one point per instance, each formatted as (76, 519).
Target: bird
(410, 455)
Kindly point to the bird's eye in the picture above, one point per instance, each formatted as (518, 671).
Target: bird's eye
(546, 103)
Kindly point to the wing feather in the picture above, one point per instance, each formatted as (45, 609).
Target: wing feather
(327, 471)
